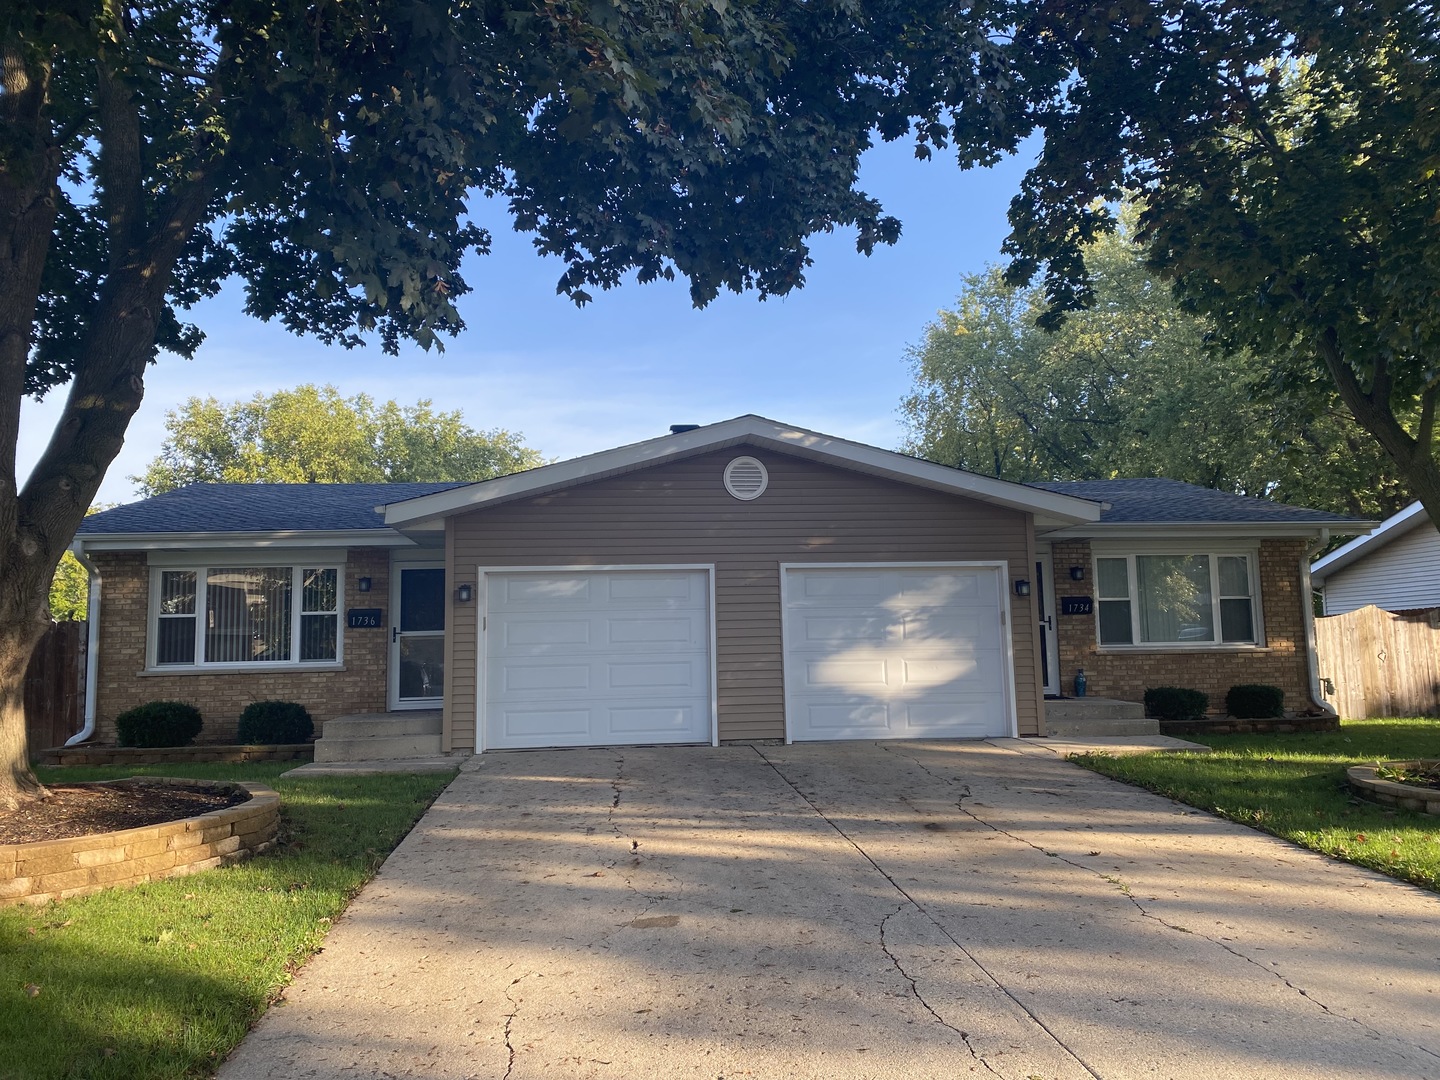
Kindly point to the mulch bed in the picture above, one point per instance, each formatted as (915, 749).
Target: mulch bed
(80, 810)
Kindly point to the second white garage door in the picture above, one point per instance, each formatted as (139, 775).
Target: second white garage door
(907, 652)
(596, 658)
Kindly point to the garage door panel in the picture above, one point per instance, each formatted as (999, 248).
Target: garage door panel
(904, 653)
(597, 657)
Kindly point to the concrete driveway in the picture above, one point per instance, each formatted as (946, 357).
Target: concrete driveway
(907, 910)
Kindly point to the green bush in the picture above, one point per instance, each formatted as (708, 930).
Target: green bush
(1255, 701)
(275, 722)
(1175, 703)
(159, 723)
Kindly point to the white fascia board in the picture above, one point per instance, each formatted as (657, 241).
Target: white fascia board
(1139, 530)
(200, 541)
(1392, 528)
(753, 431)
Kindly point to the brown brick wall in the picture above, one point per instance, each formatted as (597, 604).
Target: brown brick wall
(124, 621)
(1126, 674)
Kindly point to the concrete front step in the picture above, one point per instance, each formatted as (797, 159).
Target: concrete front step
(373, 725)
(1097, 716)
(380, 736)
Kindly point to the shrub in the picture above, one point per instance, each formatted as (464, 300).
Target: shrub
(275, 722)
(1255, 701)
(159, 723)
(1175, 703)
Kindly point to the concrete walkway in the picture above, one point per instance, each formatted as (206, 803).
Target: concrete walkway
(853, 910)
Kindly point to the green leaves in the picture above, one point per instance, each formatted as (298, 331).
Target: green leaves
(313, 435)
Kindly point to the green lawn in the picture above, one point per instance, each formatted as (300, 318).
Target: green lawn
(163, 979)
(1294, 786)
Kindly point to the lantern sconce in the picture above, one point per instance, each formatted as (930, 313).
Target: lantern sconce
(1022, 587)
(363, 584)
(465, 593)
(1077, 573)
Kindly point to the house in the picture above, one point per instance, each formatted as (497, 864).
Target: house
(1395, 567)
(742, 580)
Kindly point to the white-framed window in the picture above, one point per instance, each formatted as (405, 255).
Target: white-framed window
(233, 615)
(1177, 599)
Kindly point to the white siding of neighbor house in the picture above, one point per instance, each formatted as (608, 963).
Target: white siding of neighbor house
(1402, 574)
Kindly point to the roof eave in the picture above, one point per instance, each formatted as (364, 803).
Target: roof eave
(1297, 530)
(287, 538)
(1382, 533)
(751, 430)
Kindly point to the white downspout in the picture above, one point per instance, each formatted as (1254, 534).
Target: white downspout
(92, 646)
(1312, 660)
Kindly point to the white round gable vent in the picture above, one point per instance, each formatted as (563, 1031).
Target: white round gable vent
(746, 478)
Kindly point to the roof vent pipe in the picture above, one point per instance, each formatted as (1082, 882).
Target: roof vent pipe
(680, 429)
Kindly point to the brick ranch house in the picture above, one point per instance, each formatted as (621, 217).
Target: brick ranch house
(742, 580)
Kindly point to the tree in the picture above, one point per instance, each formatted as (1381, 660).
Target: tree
(1130, 386)
(312, 435)
(1287, 159)
(326, 154)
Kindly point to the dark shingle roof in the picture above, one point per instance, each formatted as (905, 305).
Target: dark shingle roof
(226, 508)
(1161, 501)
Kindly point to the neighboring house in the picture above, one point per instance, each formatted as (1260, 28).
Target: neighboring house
(743, 580)
(1396, 567)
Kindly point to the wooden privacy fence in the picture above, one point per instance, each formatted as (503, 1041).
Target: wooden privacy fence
(55, 686)
(1376, 663)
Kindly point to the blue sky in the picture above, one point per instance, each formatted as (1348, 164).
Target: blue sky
(829, 357)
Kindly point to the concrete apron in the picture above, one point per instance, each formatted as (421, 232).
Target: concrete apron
(853, 910)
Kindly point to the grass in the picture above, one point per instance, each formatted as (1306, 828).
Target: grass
(164, 979)
(1294, 787)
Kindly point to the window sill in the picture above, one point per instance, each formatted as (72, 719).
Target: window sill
(239, 669)
(1180, 647)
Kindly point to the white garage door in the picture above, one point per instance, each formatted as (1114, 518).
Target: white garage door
(895, 653)
(596, 658)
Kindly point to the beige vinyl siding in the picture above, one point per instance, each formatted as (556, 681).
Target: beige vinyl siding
(680, 513)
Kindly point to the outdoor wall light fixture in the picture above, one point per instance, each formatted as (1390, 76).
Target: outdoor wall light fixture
(363, 584)
(465, 593)
(1022, 587)
(1077, 573)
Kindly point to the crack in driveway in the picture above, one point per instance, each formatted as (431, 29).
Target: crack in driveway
(1125, 891)
(912, 902)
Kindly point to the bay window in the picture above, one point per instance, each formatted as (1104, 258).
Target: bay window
(243, 615)
(1176, 599)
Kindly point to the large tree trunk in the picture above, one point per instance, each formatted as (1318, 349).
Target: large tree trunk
(17, 782)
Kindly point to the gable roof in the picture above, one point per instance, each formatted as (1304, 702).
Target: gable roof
(1392, 528)
(1050, 508)
(1134, 503)
(246, 509)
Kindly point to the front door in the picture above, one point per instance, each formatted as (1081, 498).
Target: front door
(1046, 603)
(417, 637)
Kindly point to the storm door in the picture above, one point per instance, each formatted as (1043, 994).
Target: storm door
(417, 637)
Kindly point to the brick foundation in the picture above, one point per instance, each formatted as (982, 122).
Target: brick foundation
(173, 755)
(121, 682)
(59, 869)
(1127, 673)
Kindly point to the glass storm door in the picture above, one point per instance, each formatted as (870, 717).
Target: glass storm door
(1046, 603)
(417, 637)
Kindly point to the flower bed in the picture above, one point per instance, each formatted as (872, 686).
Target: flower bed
(48, 870)
(1365, 782)
(173, 755)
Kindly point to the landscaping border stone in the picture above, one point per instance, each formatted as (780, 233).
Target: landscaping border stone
(1231, 725)
(46, 870)
(1367, 785)
(173, 755)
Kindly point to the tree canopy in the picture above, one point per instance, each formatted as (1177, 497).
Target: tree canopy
(326, 155)
(1286, 157)
(312, 435)
(1131, 386)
